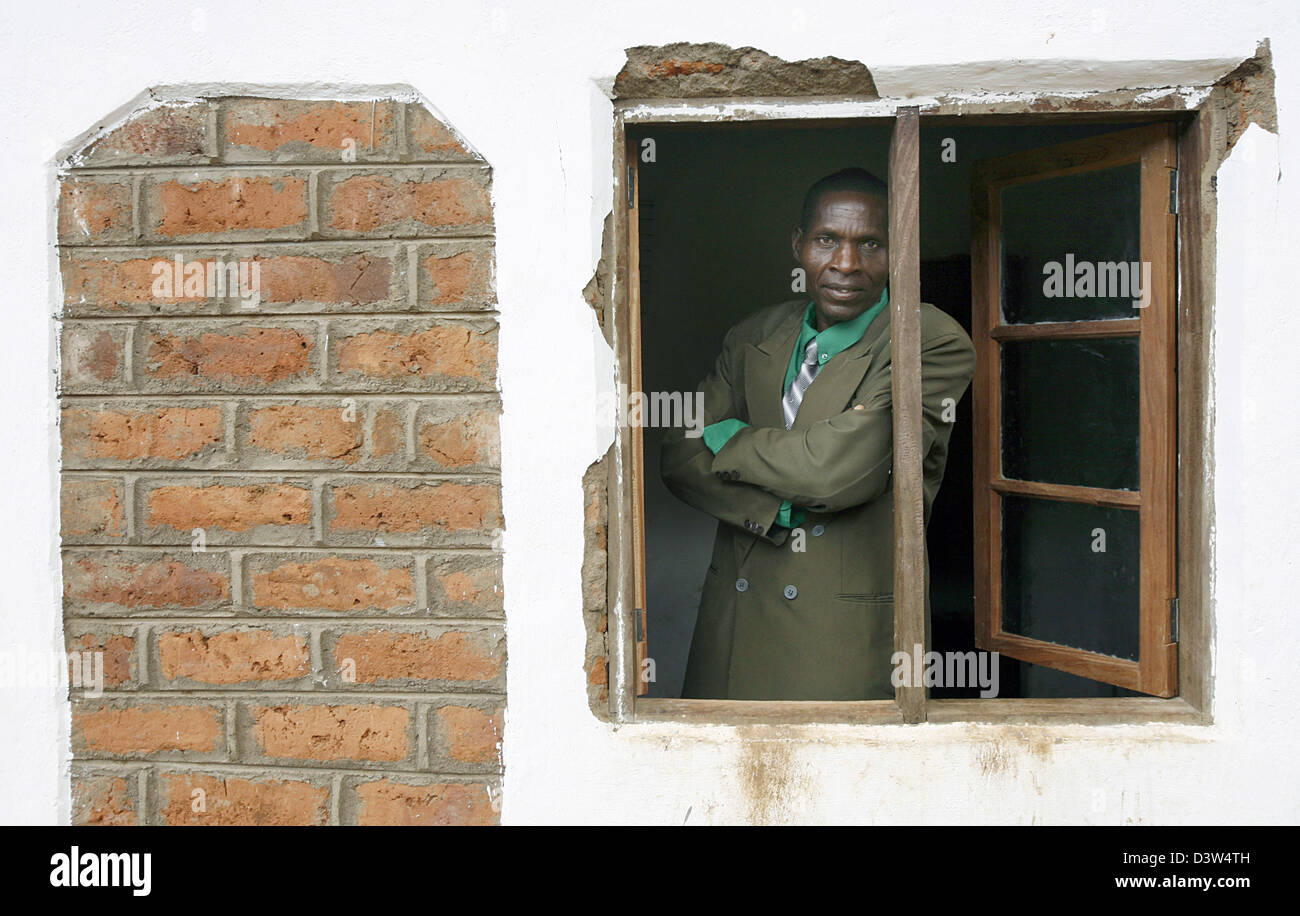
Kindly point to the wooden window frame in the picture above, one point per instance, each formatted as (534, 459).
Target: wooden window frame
(1202, 126)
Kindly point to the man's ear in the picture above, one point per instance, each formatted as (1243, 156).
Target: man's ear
(796, 239)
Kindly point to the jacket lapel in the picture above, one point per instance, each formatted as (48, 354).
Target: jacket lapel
(765, 366)
(831, 390)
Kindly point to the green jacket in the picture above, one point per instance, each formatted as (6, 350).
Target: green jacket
(776, 623)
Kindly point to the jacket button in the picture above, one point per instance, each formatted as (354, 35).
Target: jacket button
(791, 592)
(742, 585)
(818, 530)
(749, 524)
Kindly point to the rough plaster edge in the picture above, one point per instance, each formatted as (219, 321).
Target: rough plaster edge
(186, 94)
(1049, 75)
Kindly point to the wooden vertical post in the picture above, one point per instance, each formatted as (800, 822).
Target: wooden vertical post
(905, 356)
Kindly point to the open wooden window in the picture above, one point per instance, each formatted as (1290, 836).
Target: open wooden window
(1073, 262)
(1071, 422)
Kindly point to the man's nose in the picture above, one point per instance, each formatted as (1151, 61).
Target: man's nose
(846, 258)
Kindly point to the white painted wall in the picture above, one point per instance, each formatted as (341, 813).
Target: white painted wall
(521, 81)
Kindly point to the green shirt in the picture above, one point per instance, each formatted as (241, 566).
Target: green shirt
(830, 342)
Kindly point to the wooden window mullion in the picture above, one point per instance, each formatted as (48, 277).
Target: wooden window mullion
(905, 357)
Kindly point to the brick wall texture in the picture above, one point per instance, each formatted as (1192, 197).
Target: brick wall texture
(281, 503)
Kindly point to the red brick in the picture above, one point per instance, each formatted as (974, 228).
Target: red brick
(355, 278)
(131, 582)
(242, 357)
(447, 507)
(456, 275)
(201, 799)
(393, 655)
(387, 802)
(102, 800)
(114, 285)
(164, 433)
(320, 732)
(170, 134)
(452, 356)
(233, 656)
(330, 584)
(431, 139)
(94, 357)
(460, 439)
(301, 131)
(466, 586)
(118, 654)
(269, 206)
(93, 508)
(407, 202)
(467, 734)
(388, 434)
(148, 729)
(95, 211)
(304, 432)
(230, 508)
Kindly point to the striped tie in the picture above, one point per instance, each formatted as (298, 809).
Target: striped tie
(807, 372)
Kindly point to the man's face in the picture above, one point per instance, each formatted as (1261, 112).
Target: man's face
(845, 254)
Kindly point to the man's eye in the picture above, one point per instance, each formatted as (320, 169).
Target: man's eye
(825, 240)
(871, 243)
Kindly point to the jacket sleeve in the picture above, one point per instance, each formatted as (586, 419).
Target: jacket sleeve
(846, 460)
(686, 463)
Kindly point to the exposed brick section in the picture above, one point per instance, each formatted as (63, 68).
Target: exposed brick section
(228, 657)
(333, 281)
(203, 799)
(281, 502)
(448, 512)
(148, 729)
(320, 733)
(94, 357)
(465, 586)
(240, 207)
(93, 510)
(123, 583)
(228, 357)
(166, 135)
(226, 507)
(455, 440)
(433, 141)
(271, 130)
(104, 799)
(108, 436)
(115, 648)
(595, 603)
(330, 584)
(331, 434)
(95, 211)
(467, 738)
(456, 276)
(405, 203)
(388, 802)
(442, 356)
(450, 660)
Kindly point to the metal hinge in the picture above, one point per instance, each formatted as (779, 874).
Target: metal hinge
(637, 616)
(1173, 190)
(1173, 620)
(631, 187)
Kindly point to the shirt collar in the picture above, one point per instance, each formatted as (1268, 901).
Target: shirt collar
(838, 337)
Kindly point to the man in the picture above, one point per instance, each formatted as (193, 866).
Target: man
(799, 439)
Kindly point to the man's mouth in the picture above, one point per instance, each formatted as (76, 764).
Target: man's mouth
(842, 293)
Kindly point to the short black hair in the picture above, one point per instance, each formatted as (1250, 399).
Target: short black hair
(850, 179)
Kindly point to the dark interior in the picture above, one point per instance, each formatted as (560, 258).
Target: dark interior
(717, 208)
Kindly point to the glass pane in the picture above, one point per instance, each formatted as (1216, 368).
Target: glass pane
(1071, 247)
(1070, 411)
(1070, 574)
